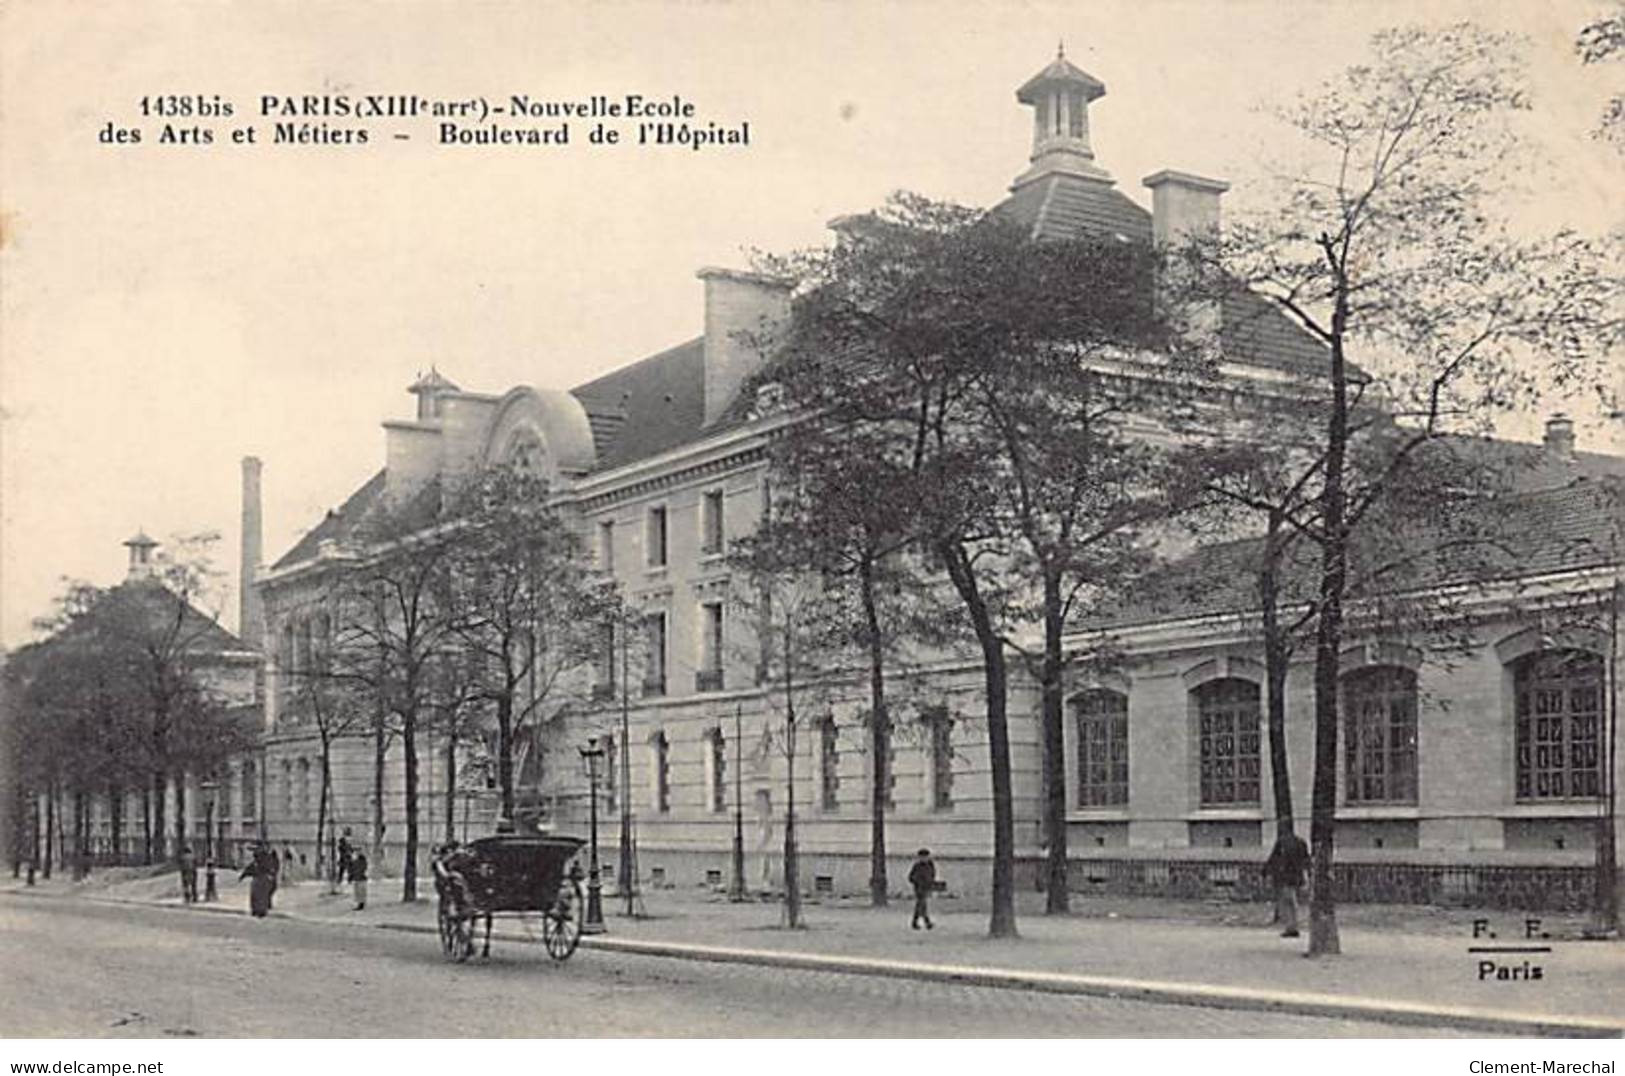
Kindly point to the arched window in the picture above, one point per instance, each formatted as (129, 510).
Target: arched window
(1227, 741)
(1379, 722)
(1558, 715)
(1101, 719)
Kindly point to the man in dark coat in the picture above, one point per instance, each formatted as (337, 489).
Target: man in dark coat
(1284, 870)
(346, 853)
(923, 877)
(358, 878)
(188, 865)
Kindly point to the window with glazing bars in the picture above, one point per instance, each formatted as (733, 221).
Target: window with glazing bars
(1379, 711)
(1228, 742)
(1101, 723)
(1558, 711)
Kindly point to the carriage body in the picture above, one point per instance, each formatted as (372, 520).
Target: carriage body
(510, 875)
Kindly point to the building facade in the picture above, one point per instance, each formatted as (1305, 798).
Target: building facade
(1488, 761)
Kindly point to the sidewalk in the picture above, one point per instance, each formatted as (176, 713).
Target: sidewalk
(1402, 975)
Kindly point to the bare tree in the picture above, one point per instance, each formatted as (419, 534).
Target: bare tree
(1385, 249)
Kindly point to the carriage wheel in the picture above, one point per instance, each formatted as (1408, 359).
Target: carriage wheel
(561, 924)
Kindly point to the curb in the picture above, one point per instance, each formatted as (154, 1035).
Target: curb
(1157, 991)
(1160, 992)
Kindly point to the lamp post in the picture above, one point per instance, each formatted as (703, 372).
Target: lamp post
(210, 791)
(736, 888)
(594, 923)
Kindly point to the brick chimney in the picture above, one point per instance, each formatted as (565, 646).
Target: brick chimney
(1559, 439)
(741, 311)
(250, 614)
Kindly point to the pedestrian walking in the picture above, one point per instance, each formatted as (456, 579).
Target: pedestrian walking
(358, 878)
(188, 865)
(287, 864)
(1284, 870)
(923, 877)
(263, 867)
(345, 857)
(210, 892)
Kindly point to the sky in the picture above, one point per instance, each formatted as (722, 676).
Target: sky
(166, 310)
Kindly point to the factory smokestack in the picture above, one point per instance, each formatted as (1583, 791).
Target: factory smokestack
(251, 618)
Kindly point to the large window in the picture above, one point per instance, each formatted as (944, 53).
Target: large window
(603, 674)
(1227, 742)
(654, 661)
(711, 530)
(1101, 718)
(1379, 736)
(656, 537)
(1558, 709)
(717, 744)
(660, 771)
(829, 764)
(606, 545)
(708, 677)
(939, 729)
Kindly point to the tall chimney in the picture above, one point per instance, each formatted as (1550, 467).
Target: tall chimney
(741, 309)
(1185, 211)
(250, 615)
(1560, 436)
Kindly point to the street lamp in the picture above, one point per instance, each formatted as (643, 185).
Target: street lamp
(594, 923)
(736, 889)
(210, 791)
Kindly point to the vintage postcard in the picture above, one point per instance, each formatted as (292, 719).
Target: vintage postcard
(864, 520)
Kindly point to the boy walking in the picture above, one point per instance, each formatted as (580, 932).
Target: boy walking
(923, 877)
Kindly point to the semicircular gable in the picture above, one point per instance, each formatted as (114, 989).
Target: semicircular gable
(546, 428)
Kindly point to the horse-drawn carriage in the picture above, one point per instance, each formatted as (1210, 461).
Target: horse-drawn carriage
(526, 877)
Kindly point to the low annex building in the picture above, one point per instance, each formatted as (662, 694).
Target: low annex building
(1466, 775)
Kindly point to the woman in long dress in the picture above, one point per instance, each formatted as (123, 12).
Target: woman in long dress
(263, 869)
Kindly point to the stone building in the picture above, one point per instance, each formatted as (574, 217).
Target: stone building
(1482, 761)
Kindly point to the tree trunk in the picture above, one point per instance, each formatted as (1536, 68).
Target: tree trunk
(409, 756)
(321, 809)
(1057, 886)
(378, 746)
(1323, 936)
(115, 822)
(180, 811)
(50, 827)
(80, 836)
(505, 748)
(879, 739)
(451, 789)
(1002, 920)
(1277, 653)
(160, 792)
(146, 824)
(792, 867)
